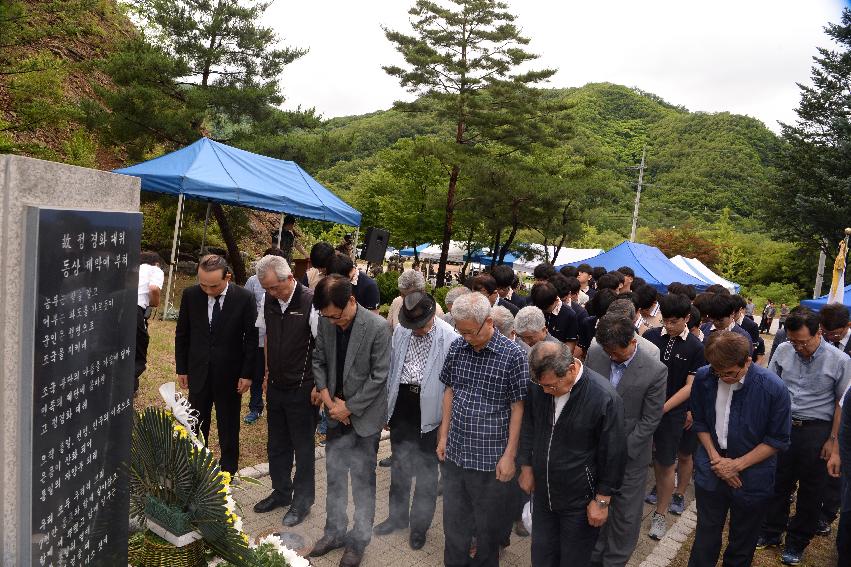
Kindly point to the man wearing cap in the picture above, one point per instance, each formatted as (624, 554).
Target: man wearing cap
(415, 407)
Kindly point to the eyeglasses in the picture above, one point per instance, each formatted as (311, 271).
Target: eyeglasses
(802, 342)
(728, 375)
(549, 387)
(332, 317)
(834, 335)
(468, 333)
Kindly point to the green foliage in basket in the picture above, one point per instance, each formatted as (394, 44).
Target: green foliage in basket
(168, 465)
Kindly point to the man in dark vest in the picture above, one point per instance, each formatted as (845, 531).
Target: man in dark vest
(290, 323)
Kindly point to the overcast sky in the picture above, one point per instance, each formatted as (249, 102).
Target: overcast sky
(742, 56)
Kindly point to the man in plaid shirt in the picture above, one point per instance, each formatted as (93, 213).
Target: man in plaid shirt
(486, 377)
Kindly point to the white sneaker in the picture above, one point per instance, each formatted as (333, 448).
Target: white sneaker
(658, 527)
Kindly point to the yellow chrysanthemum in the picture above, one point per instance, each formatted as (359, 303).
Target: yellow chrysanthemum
(225, 477)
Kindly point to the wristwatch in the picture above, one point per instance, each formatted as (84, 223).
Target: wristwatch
(602, 503)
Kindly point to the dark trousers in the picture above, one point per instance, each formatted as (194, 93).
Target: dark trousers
(473, 505)
(560, 539)
(142, 340)
(348, 453)
(800, 466)
(413, 457)
(515, 499)
(256, 401)
(830, 500)
(745, 523)
(291, 420)
(843, 540)
(227, 402)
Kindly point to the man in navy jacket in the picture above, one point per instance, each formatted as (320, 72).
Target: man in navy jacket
(735, 462)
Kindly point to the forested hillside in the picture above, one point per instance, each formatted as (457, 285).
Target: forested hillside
(80, 83)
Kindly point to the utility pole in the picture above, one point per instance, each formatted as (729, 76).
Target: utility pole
(638, 195)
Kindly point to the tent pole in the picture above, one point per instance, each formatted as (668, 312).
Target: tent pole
(206, 222)
(355, 241)
(173, 254)
(281, 229)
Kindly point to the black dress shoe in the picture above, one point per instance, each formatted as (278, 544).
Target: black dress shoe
(388, 526)
(351, 557)
(325, 544)
(386, 462)
(295, 515)
(272, 502)
(417, 540)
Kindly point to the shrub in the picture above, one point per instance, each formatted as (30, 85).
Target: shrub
(388, 286)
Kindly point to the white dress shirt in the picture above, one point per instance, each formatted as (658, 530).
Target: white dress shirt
(149, 275)
(211, 300)
(561, 401)
(723, 401)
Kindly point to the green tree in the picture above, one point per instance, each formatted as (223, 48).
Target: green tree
(200, 63)
(811, 203)
(464, 57)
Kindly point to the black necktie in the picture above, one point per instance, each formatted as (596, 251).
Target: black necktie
(217, 311)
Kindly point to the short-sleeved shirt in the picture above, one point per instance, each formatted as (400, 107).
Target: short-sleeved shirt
(815, 383)
(366, 291)
(563, 325)
(484, 385)
(709, 328)
(682, 354)
(148, 275)
(253, 285)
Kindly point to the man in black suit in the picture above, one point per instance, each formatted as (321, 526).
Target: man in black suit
(214, 347)
(506, 281)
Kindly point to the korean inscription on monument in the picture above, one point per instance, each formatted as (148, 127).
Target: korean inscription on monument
(84, 344)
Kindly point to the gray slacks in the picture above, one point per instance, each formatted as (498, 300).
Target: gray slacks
(619, 534)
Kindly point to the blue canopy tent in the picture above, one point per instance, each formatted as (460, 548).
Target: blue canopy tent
(817, 304)
(409, 251)
(215, 172)
(648, 262)
(485, 258)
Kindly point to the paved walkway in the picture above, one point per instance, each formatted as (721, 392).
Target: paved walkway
(393, 549)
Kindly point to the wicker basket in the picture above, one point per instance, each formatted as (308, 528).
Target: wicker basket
(156, 552)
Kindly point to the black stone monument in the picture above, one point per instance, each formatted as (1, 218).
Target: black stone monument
(84, 281)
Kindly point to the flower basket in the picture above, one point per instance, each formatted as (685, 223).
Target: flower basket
(157, 552)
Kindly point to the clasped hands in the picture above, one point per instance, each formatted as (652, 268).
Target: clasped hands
(727, 470)
(338, 411)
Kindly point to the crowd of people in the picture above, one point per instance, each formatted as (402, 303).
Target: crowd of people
(558, 403)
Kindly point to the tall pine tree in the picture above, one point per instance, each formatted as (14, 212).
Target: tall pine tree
(811, 203)
(463, 61)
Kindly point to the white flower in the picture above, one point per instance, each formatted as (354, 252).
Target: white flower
(294, 559)
(230, 503)
(237, 525)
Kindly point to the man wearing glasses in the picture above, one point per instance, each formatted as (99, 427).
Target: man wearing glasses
(486, 377)
(816, 374)
(742, 419)
(572, 455)
(351, 361)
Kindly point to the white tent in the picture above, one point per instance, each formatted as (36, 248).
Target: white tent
(699, 270)
(565, 256)
(456, 252)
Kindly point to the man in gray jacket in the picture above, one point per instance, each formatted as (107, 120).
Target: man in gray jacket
(640, 379)
(415, 408)
(350, 366)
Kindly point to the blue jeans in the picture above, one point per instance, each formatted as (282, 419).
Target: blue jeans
(322, 429)
(255, 404)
